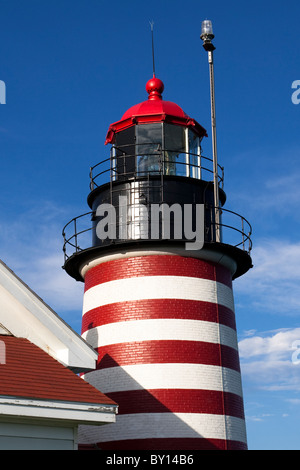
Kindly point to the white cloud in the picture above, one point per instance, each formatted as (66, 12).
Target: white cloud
(31, 245)
(273, 186)
(268, 360)
(272, 285)
(283, 192)
(276, 344)
(47, 278)
(294, 401)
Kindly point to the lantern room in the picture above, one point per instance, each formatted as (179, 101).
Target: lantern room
(155, 162)
(155, 137)
(155, 159)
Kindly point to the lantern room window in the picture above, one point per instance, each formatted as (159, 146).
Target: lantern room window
(194, 150)
(156, 148)
(174, 150)
(149, 143)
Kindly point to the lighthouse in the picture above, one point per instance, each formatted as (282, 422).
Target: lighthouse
(157, 259)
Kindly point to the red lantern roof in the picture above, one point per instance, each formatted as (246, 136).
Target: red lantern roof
(155, 109)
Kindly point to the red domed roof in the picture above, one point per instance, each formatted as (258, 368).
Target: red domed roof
(155, 109)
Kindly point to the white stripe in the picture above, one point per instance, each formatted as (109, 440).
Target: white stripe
(168, 375)
(167, 425)
(161, 329)
(158, 287)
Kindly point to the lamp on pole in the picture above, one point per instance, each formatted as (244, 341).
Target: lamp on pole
(207, 37)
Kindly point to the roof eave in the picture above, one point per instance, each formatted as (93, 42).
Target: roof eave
(76, 412)
(24, 314)
(150, 118)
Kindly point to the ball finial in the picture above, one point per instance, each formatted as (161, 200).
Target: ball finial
(154, 88)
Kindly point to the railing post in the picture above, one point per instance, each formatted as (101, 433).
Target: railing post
(199, 160)
(124, 164)
(64, 246)
(222, 168)
(187, 154)
(212, 224)
(91, 179)
(75, 235)
(243, 234)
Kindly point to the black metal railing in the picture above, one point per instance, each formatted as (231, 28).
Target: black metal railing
(133, 161)
(235, 229)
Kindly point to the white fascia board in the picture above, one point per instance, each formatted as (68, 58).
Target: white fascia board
(26, 315)
(79, 413)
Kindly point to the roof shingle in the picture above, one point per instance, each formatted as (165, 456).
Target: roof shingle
(30, 372)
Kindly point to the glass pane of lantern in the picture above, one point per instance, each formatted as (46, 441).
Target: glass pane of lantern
(175, 156)
(124, 163)
(194, 155)
(148, 148)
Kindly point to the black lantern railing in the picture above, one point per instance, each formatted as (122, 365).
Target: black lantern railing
(144, 160)
(236, 231)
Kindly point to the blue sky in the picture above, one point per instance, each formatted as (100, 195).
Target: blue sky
(73, 67)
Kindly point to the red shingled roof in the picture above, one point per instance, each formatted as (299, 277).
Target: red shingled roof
(29, 372)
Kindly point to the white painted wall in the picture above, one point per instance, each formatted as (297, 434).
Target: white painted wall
(36, 436)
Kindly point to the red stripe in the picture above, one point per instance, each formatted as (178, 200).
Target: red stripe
(173, 444)
(158, 309)
(156, 265)
(167, 351)
(179, 401)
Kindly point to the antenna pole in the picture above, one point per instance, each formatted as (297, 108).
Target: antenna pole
(207, 36)
(153, 61)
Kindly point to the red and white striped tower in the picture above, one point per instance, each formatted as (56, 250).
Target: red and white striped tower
(161, 316)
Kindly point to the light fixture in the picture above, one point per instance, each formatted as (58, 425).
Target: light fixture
(206, 27)
(207, 35)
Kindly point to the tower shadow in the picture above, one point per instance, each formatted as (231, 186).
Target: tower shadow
(146, 410)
